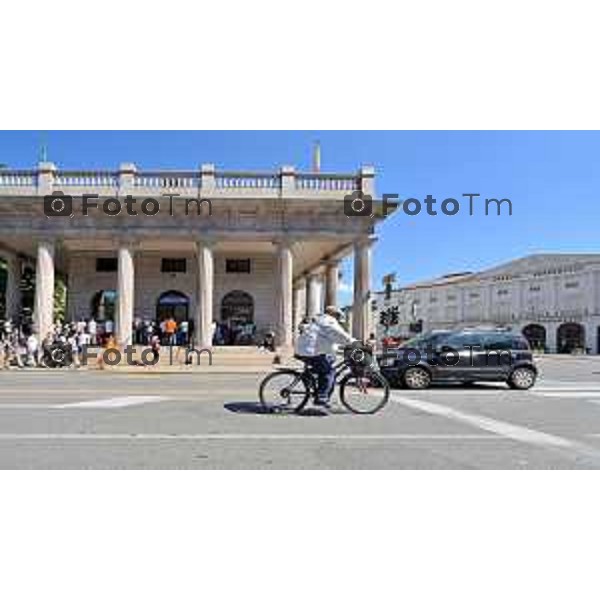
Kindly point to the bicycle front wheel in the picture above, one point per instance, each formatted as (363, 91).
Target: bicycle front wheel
(284, 391)
(364, 394)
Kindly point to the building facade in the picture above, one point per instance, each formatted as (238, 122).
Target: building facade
(263, 248)
(554, 299)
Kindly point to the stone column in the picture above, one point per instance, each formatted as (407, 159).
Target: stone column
(44, 288)
(299, 303)
(125, 295)
(362, 283)
(551, 336)
(591, 340)
(204, 294)
(283, 295)
(13, 287)
(313, 295)
(332, 274)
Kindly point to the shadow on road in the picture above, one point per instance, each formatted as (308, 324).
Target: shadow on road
(256, 408)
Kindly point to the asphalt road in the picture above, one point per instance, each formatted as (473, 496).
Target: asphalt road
(70, 419)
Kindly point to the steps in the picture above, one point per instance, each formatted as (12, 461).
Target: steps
(225, 359)
(246, 357)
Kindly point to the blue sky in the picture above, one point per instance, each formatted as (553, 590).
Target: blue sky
(552, 179)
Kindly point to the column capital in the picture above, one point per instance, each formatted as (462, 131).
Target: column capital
(127, 242)
(300, 282)
(127, 168)
(284, 242)
(206, 242)
(367, 240)
(331, 262)
(47, 239)
(312, 275)
(46, 167)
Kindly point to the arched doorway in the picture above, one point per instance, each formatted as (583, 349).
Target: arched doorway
(172, 304)
(237, 319)
(237, 307)
(570, 337)
(103, 306)
(536, 336)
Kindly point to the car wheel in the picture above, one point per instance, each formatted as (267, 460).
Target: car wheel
(522, 378)
(416, 378)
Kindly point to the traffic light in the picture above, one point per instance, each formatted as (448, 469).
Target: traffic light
(384, 318)
(394, 315)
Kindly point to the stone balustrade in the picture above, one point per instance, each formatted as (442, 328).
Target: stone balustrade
(128, 180)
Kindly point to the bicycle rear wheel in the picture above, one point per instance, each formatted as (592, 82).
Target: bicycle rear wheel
(364, 394)
(284, 391)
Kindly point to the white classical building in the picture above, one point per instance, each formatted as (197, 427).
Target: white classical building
(553, 298)
(265, 248)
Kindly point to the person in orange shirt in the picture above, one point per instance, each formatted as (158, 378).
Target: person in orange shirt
(171, 329)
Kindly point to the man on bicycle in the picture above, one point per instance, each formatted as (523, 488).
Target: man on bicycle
(317, 345)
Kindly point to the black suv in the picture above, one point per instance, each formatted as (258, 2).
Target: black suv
(461, 356)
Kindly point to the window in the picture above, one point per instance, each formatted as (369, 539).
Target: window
(462, 340)
(503, 292)
(473, 295)
(450, 297)
(535, 288)
(237, 265)
(106, 265)
(498, 341)
(173, 265)
(572, 284)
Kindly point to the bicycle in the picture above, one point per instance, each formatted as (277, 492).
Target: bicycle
(362, 389)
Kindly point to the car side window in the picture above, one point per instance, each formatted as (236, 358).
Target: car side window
(464, 341)
(499, 342)
(520, 343)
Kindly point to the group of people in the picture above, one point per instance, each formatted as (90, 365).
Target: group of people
(19, 344)
(169, 331)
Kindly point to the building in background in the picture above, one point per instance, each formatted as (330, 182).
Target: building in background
(554, 299)
(266, 254)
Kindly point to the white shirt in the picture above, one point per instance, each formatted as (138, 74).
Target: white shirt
(32, 344)
(330, 334)
(306, 342)
(92, 327)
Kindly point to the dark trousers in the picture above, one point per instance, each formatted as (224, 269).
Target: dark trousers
(322, 365)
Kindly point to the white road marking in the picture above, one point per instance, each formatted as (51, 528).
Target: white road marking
(570, 394)
(502, 428)
(116, 402)
(245, 436)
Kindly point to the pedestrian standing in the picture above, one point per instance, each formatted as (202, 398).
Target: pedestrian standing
(92, 330)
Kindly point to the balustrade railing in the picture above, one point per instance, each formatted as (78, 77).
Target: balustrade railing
(232, 180)
(167, 180)
(329, 182)
(89, 179)
(25, 178)
(48, 178)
